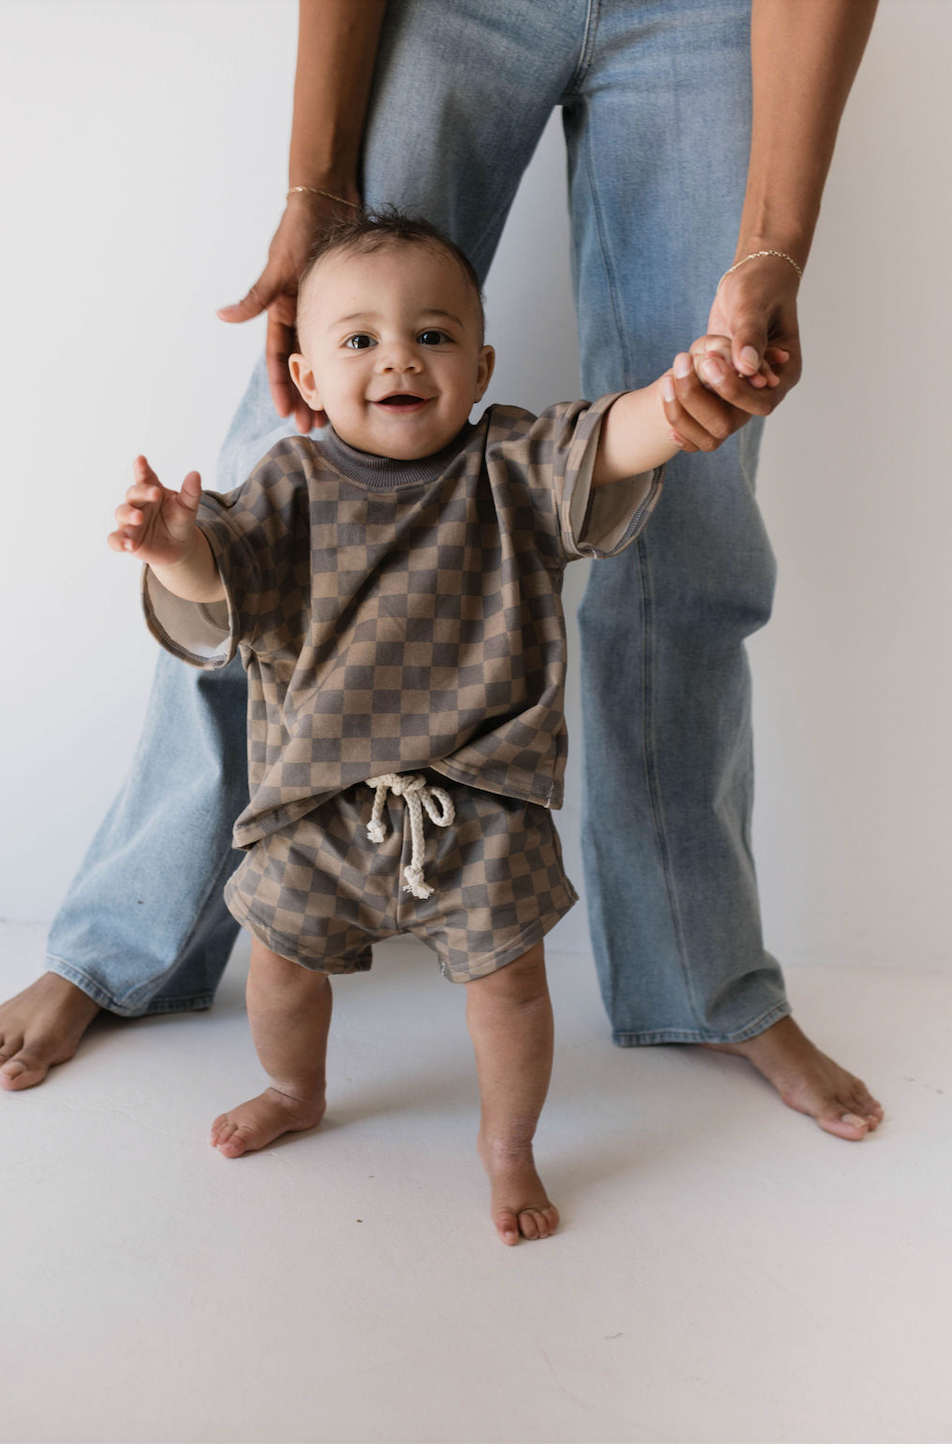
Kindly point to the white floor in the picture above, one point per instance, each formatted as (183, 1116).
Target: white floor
(725, 1271)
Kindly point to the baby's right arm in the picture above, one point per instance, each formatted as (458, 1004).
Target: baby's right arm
(158, 526)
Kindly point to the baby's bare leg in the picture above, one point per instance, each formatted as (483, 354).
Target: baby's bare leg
(289, 1008)
(510, 1023)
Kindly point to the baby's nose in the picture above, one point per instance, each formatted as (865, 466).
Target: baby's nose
(399, 358)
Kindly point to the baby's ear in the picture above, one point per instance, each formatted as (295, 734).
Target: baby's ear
(484, 370)
(303, 377)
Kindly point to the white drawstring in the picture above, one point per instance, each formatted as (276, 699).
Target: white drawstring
(417, 793)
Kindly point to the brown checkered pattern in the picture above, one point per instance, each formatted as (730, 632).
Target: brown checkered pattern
(395, 616)
(320, 892)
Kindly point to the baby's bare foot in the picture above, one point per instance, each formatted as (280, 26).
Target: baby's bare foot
(40, 1027)
(519, 1204)
(809, 1081)
(261, 1120)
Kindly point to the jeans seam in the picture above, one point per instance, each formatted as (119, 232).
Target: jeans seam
(586, 49)
(611, 284)
(652, 781)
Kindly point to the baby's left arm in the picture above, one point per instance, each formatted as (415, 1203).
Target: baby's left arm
(679, 412)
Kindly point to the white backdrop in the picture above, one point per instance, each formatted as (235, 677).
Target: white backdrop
(142, 173)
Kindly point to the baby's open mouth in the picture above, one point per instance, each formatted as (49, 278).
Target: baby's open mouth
(403, 401)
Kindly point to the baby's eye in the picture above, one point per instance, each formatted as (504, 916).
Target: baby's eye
(432, 338)
(360, 341)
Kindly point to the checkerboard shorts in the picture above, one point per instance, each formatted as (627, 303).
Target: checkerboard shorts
(320, 892)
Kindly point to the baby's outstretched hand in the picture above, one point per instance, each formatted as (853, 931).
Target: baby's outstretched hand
(154, 524)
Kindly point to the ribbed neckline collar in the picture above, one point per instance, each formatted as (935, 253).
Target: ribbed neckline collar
(383, 472)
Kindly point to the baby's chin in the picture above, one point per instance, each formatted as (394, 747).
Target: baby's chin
(378, 443)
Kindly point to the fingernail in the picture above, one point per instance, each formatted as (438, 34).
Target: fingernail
(667, 388)
(712, 369)
(750, 358)
(854, 1120)
(683, 365)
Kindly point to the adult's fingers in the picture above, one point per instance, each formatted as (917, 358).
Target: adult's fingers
(735, 390)
(756, 307)
(702, 418)
(255, 300)
(280, 343)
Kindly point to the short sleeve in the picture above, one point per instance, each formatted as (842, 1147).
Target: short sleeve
(252, 534)
(196, 632)
(557, 451)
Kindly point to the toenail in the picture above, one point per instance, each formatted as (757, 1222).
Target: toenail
(856, 1122)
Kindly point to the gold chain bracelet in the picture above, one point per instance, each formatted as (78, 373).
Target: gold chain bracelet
(755, 255)
(313, 191)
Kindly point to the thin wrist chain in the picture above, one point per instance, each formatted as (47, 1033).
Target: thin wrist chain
(755, 255)
(314, 191)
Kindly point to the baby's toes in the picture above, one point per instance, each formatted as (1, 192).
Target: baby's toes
(507, 1225)
(226, 1137)
(538, 1222)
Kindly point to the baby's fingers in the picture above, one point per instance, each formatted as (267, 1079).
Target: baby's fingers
(191, 493)
(675, 414)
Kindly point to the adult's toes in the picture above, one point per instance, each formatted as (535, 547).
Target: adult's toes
(867, 1107)
(22, 1071)
(844, 1125)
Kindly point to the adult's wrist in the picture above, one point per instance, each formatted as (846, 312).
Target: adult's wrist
(318, 198)
(790, 241)
(770, 256)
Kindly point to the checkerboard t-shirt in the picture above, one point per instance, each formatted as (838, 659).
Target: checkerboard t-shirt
(400, 615)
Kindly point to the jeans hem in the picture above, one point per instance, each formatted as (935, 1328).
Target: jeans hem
(194, 1004)
(685, 1035)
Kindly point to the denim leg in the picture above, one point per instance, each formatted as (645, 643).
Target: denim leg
(658, 131)
(143, 927)
(462, 93)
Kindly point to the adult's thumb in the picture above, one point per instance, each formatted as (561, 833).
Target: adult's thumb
(748, 344)
(255, 300)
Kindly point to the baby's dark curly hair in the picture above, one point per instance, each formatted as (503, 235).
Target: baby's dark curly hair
(366, 231)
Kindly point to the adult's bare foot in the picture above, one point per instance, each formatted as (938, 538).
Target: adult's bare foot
(809, 1081)
(40, 1027)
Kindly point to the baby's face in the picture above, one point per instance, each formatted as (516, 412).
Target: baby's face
(391, 348)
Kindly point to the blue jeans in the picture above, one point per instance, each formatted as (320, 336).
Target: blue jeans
(656, 101)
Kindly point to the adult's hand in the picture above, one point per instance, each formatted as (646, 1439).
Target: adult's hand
(275, 291)
(755, 309)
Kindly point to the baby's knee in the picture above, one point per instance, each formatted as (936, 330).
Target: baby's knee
(284, 974)
(521, 981)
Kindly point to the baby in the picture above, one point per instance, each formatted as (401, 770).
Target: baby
(393, 586)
